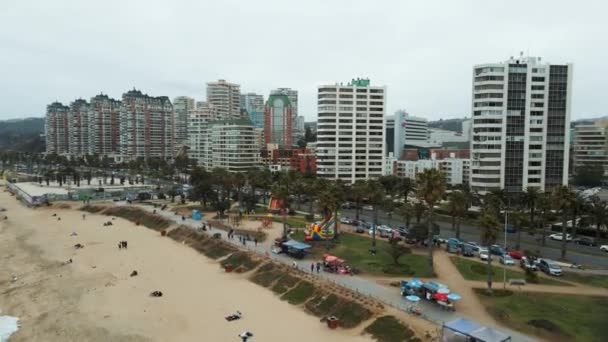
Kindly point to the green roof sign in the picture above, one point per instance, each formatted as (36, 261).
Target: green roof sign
(359, 82)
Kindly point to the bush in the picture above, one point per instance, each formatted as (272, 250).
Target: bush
(300, 293)
(389, 329)
(531, 276)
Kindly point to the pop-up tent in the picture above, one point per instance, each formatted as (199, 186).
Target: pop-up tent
(457, 329)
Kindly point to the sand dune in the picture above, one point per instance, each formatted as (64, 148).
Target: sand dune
(95, 299)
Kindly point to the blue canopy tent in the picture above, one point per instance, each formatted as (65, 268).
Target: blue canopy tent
(295, 248)
(457, 329)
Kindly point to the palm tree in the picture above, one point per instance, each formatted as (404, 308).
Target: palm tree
(543, 204)
(530, 198)
(562, 199)
(457, 209)
(358, 193)
(419, 210)
(599, 212)
(406, 211)
(431, 187)
(375, 196)
(489, 226)
(407, 186)
(520, 221)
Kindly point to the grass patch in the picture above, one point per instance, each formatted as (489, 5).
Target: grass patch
(351, 314)
(473, 270)
(390, 329)
(300, 293)
(355, 250)
(139, 216)
(284, 284)
(322, 304)
(587, 279)
(266, 274)
(241, 262)
(551, 316)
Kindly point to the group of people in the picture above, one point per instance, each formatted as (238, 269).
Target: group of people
(314, 265)
(122, 244)
(245, 335)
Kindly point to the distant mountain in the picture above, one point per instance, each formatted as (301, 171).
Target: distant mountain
(22, 135)
(454, 125)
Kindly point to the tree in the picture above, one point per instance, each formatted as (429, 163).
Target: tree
(419, 210)
(519, 220)
(530, 198)
(280, 192)
(431, 188)
(375, 196)
(590, 174)
(396, 250)
(562, 199)
(457, 209)
(543, 204)
(599, 212)
(406, 210)
(358, 193)
(489, 226)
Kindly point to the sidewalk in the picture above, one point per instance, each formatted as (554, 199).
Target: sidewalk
(389, 296)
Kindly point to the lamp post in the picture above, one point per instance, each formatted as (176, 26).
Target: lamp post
(504, 265)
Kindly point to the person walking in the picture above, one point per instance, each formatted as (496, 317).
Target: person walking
(312, 267)
(318, 267)
(255, 241)
(84, 216)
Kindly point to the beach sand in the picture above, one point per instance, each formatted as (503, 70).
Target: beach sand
(95, 299)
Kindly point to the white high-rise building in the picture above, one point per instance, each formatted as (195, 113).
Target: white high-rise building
(198, 120)
(78, 128)
(521, 120)
(591, 145)
(225, 97)
(350, 131)
(182, 105)
(231, 145)
(409, 130)
(56, 128)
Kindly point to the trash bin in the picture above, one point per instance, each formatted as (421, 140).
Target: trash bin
(332, 322)
(228, 268)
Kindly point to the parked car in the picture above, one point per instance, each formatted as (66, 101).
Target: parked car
(559, 237)
(467, 250)
(403, 231)
(453, 245)
(497, 250)
(382, 231)
(345, 220)
(484, 255)
(604, 248)
(517, 255)
(585, 241)
(549, 267)
(506, 259)
(368, 207)
(360, 229)
(527, 263)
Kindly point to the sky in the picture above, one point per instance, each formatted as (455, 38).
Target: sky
(422, 51)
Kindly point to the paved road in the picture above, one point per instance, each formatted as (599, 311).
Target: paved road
(390, 296)
(590, 255)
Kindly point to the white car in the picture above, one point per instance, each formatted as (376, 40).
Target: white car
(507, 260)
(484, 255)
(368, 207)
(559, 237)
(604, 248)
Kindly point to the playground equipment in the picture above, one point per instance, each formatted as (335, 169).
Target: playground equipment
(323, 230)
(196, 215)
(274, 206)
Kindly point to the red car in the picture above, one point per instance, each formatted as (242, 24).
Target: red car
(516, 255)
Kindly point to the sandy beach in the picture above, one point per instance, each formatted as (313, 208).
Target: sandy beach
(95, 299)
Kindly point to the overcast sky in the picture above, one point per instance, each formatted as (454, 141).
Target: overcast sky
(423, 51)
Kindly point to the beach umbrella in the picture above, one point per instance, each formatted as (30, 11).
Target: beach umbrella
(443, 290)
(412, 298)
(415, 283)
(441, 296)
(454, 297)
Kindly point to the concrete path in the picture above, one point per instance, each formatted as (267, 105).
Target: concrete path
(388, 295)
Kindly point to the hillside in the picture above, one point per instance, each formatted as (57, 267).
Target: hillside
(22, 135)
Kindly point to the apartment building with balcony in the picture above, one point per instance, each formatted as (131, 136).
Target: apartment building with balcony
(231, 145)
(146, 127)
(56, 129)
(278, 122)
(78, 128)
(182, 106)
(198, 124)
(520, 130)
(591, 145)
(225, 97)
(350, 130)
(104, 134)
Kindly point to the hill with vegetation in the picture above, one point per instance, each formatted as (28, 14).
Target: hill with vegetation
(23, 135)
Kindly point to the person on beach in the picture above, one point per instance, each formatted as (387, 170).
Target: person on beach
(84, 216)
(312, 267)
(255, 241)
(120, 245)
(245, 336)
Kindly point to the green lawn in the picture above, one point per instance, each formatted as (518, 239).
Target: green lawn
(552, 316)
(474, 270)
(354, 249)
(587, 279)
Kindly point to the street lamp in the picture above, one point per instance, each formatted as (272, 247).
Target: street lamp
(504, 264)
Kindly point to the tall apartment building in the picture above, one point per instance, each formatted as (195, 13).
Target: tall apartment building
(104, 135)
(591, 145)
(350, 131)
(146, 126)
(278, 122)
(409, 130)
(78, 128)
(225, 97)
(56, 128)
(292, 94)
(520, 130)
(182, 106)
(389, 134)
(197, 130)
(231, 144)
(253, 104)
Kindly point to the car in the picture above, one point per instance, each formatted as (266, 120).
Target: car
(467, 250)
(506, 260)
(484, 255)
(528, 264)
(382, 231)
(368, 207)
(517, 255)
(604, 248)
(497, 250)
(403, 231)
(360, 229)
(559, 237)
(585, 241)
(472, 243)
(550, 267)
(345, 220)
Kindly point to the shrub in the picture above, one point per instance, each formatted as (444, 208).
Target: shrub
(389, 329)
(300, 293)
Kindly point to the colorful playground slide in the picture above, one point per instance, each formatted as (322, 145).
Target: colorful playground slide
(274, 206)
(324, 230)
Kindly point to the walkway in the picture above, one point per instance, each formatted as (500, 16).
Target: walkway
(388, 295)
